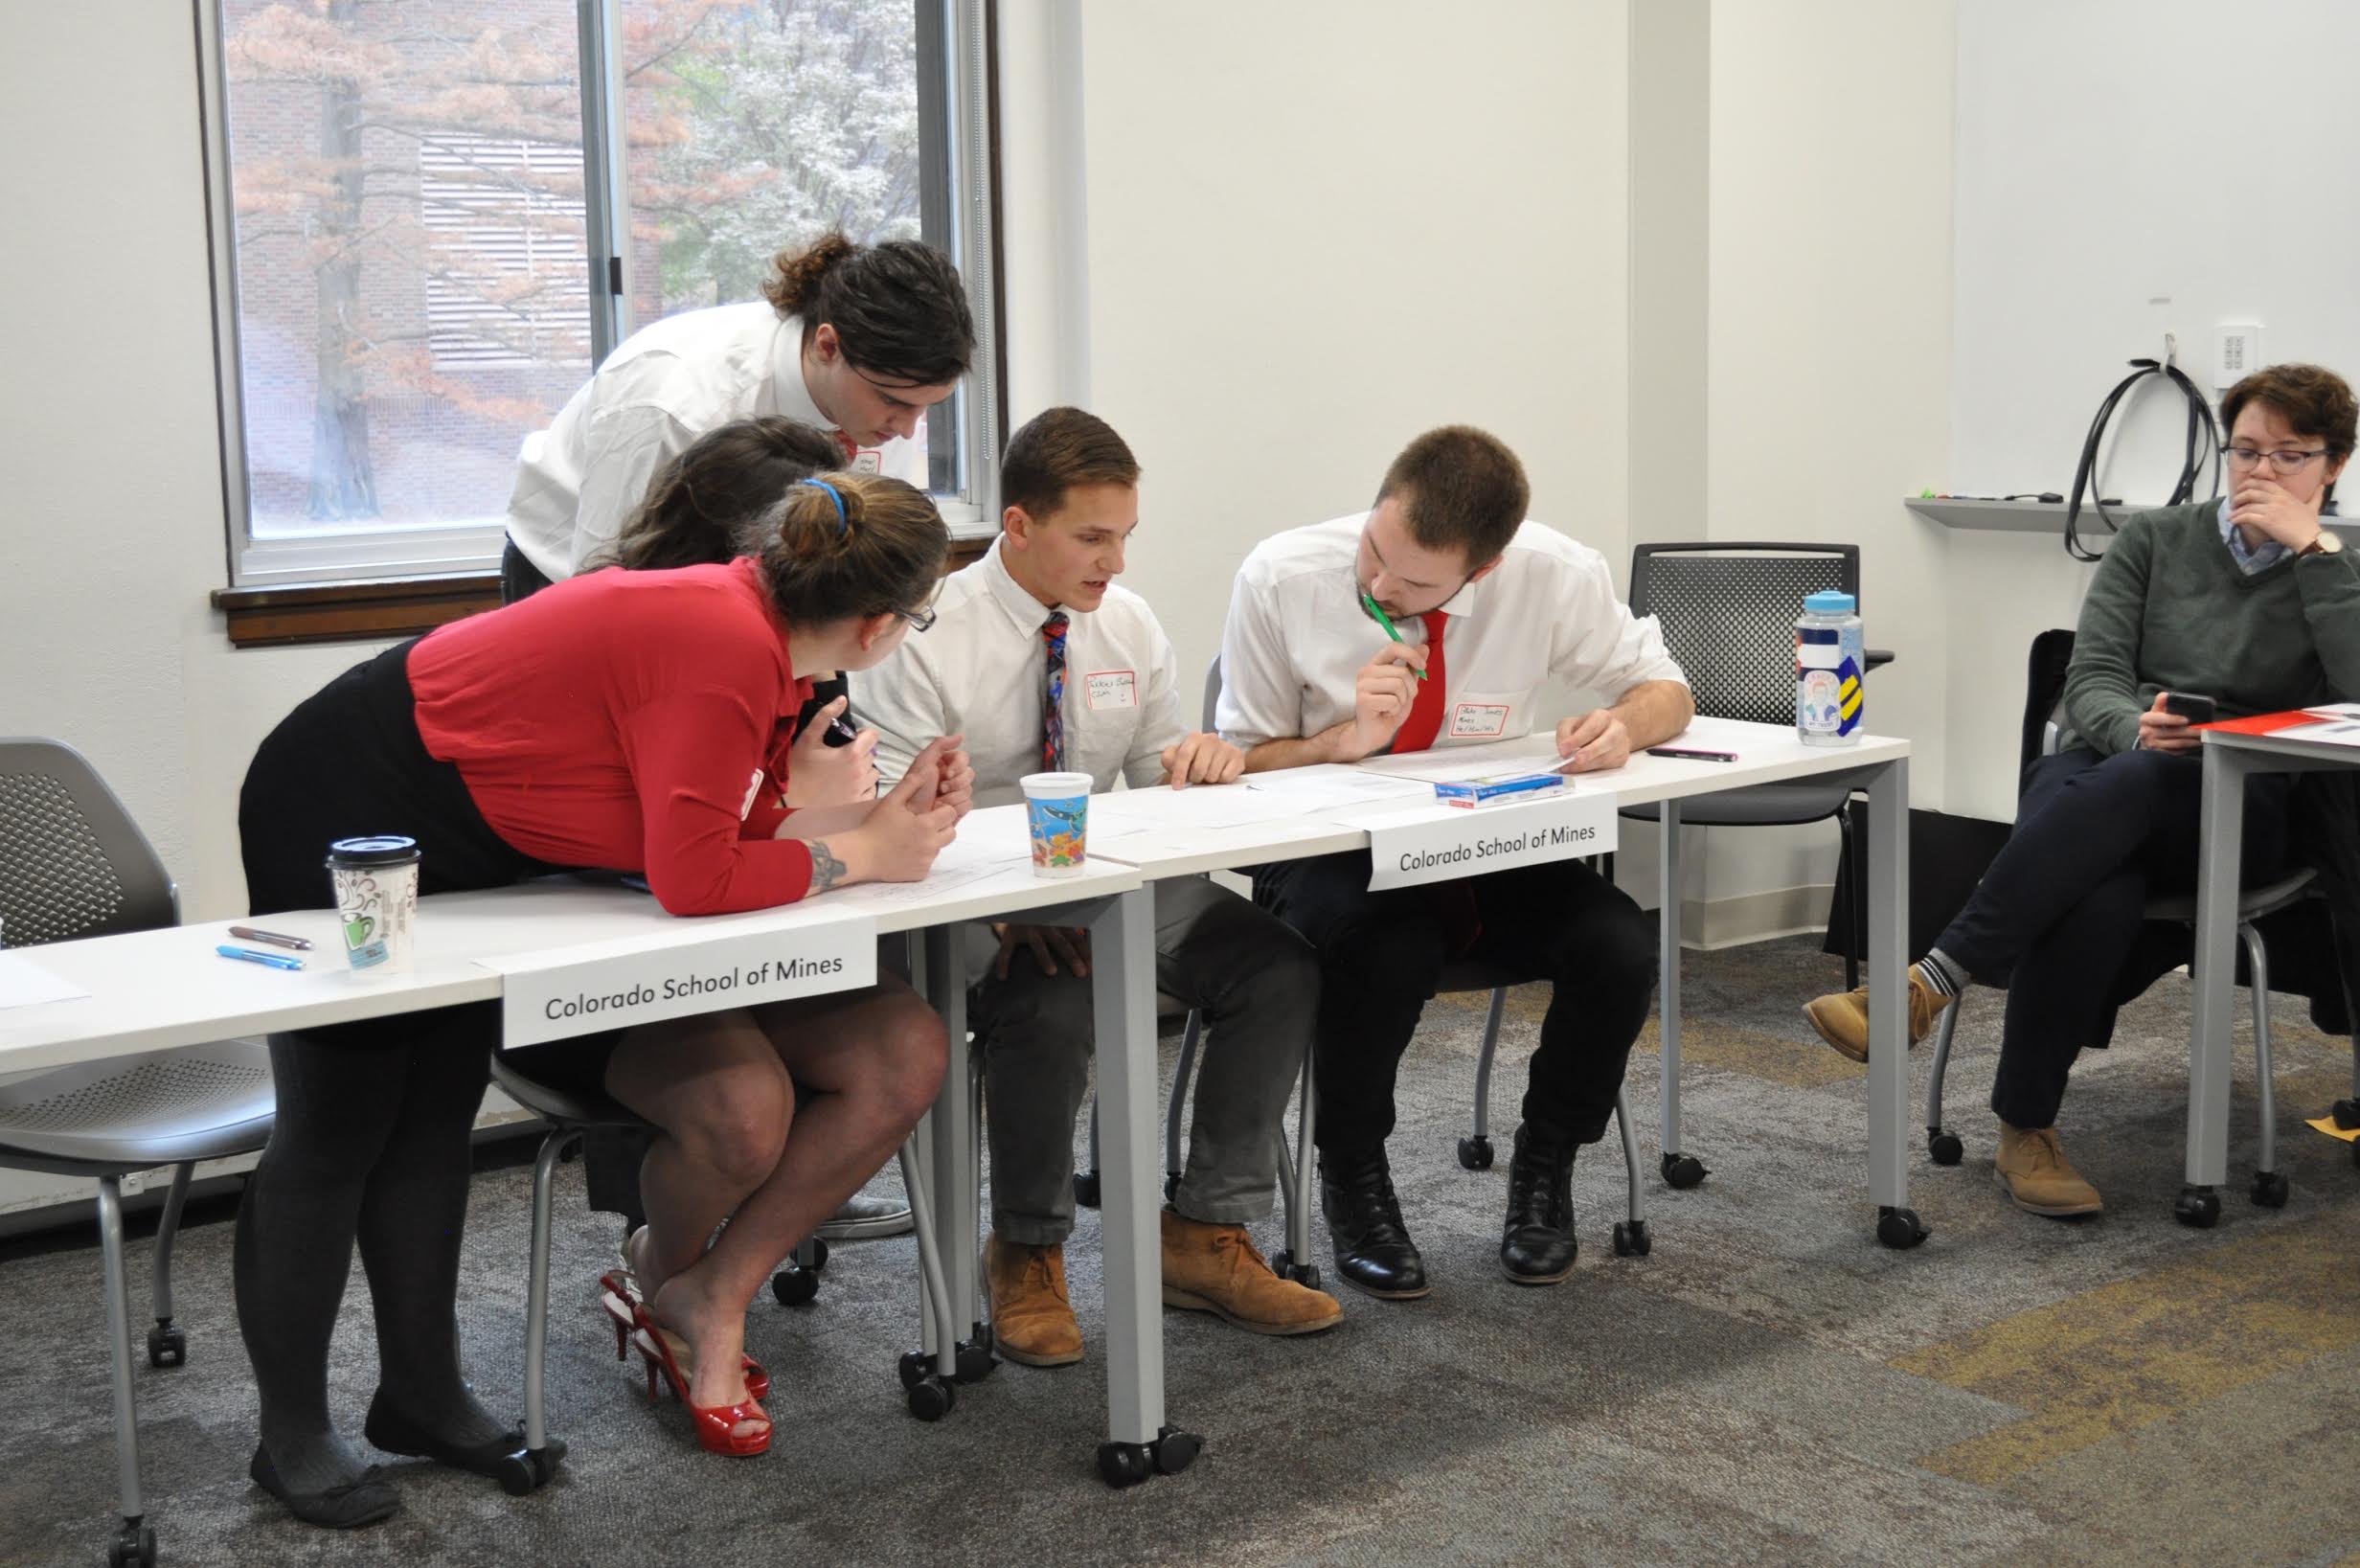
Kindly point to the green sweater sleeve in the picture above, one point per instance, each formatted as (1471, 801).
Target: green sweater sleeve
(2102, 685)
(2330, 590)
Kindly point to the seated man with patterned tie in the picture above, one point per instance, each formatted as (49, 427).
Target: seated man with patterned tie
(1308, 676)
(1046, 666)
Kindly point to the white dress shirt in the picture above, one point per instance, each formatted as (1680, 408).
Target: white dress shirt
(665, 385)
(1296, 637)
(982, 670)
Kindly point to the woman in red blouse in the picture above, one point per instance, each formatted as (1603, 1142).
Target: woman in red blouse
(631, 721)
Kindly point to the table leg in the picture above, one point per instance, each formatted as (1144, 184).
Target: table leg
(2220, 826)
(1123, 959)
(950, 1155)
(1679, 1169)
(1896, 1223)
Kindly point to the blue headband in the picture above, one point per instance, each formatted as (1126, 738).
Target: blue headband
(844, 524)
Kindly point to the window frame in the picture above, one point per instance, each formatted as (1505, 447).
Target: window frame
(958, 134)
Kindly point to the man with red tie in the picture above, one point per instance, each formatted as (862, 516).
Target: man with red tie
(1496, 607)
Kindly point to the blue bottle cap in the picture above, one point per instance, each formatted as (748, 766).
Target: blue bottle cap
(1829, 601)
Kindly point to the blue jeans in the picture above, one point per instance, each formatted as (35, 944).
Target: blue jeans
(2058, 915)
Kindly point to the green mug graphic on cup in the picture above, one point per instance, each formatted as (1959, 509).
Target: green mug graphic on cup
(375, 886)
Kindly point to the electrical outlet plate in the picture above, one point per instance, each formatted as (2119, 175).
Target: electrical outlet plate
(2236, 351)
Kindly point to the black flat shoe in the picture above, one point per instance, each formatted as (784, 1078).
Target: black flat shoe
(1537, 1243)
(389, 1429)
(355, 1503)
(1374, 1253)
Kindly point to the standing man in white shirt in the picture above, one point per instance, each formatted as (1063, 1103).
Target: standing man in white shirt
(859, 340)
(1496, 606)
(1045, 664)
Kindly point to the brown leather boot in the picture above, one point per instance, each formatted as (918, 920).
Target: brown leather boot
(1032, 1317)
(1214, 1268)
(2031, 1165)
(1841, 1019)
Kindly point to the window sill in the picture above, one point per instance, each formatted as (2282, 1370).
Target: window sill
(355, 612)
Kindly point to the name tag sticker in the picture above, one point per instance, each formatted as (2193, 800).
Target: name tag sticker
(1105, 689)
(1478, 720)
(866, 461)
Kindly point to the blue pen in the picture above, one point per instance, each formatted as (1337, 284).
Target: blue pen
(251, 956)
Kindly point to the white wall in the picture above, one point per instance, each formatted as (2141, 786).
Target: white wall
(1827, 395)
(108, 437)
(2113, 183)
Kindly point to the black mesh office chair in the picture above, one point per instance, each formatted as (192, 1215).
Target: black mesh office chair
(73, 864)
(2044, 692)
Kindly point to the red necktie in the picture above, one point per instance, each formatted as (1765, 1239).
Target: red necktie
(1425, 720)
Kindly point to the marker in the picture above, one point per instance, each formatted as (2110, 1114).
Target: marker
(837, 726)
(1382, 620)
(1693, 755)
(275, 938)
(251, 955)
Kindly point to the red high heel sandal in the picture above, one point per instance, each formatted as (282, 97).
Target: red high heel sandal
(619, 1295)
(716, 1424)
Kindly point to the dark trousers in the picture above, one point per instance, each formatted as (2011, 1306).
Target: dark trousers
(1381, 955)
(2058, 915)
(519, 577)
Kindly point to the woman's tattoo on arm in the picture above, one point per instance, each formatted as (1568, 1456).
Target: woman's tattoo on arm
(827, 871)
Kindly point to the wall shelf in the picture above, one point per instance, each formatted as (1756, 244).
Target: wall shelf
(2010, 516)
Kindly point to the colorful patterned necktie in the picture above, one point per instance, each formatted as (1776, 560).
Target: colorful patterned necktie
(1425, 720)
(1052, 697)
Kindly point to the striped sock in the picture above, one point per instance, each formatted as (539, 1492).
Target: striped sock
(1941, 972)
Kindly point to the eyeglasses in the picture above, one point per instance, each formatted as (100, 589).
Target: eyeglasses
(918, 620)
(2286, 463)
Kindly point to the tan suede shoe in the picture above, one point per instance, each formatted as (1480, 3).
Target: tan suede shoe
(1214, 1268)
(2032, 1167)
(1841, 1019)
(1032, 1317)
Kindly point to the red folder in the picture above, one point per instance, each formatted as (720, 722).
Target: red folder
(2260, 723)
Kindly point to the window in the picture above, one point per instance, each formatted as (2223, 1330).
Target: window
(432, 217)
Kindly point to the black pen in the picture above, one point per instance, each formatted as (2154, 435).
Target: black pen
(1693, 755)
(275, 938)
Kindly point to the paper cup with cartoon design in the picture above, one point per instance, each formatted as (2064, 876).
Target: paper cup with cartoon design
(1057, 813)
(376, 884)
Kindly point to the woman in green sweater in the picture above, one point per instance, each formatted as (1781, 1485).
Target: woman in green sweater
(2246, 600)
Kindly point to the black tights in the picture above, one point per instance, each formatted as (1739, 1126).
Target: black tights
(371, 1145)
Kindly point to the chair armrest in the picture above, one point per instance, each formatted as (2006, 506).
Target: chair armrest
(1878, 656)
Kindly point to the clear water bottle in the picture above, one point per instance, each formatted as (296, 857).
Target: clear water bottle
(1830, 701)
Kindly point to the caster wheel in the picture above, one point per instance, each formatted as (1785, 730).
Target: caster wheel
(1899, 1228)
(521, 1474)
(167, 1346)
(135, 1548)
(1475, 1153)
(1683, 1171)
(2346, 1114)
(1943, 1146)
(1085, 1189)
(931, 1399)
(915, 1367)
(2269, 1189)
(819, 1253)
(1122, 1464)
(2197, 1207)
(1282, 1264)
(1176, 1450)
(975, 1361)
(795, 1286)
(1632, 1239)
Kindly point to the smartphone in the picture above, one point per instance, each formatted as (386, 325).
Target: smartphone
(2196, 709)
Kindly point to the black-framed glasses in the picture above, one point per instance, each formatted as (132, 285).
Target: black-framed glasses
(918, 620)
(2285, 462)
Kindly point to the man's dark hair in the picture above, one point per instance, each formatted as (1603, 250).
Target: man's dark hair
(899, 308)
(1056, 450)
(1459, 489)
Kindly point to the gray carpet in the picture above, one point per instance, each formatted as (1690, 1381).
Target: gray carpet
(1768, 1386)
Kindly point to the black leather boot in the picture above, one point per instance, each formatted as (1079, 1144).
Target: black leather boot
(1374, 1250)
(1537, 1245)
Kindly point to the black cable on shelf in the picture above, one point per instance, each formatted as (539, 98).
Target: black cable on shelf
(2201, 426)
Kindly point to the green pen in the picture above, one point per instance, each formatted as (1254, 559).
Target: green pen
(1383, 620)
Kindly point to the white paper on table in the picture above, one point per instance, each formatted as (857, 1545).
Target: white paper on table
(2335, 709)
(2335, 732)
(1526, 754)
(1325, 787)
(25, 983)
(1198, 808)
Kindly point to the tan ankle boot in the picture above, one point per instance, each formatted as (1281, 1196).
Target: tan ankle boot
(1841, 1019)
(2031, 1165)
(1214, 1268)
(1032, 1317)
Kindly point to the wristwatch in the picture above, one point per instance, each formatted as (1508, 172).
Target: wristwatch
(2329, 543)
